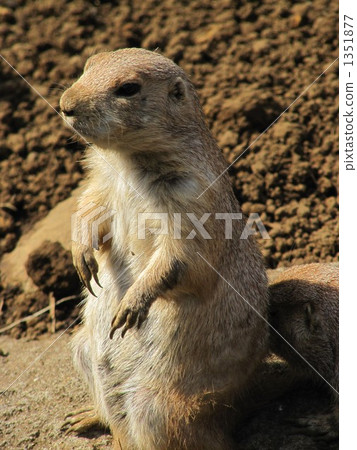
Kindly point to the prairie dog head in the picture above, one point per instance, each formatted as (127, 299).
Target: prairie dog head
(131, 97)
(304, 310)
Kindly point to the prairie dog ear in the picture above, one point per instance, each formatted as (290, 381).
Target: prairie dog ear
(91, 59)
(178, 90)
(311, 316)
(88, 63)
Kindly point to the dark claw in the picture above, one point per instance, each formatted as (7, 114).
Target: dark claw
(128, 319)
(113, 329)
(80, 277)
(95, 276)
(92, 267)
(111, 334)
(122, 319)
(142, 317)
(85, 283)
(89, 287)
(87, 276)
(130, 322)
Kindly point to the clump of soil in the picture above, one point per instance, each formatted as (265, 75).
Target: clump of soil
(50, 268)
(249, 60)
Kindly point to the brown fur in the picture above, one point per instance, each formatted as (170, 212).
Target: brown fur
(304, 310)
(191, 342)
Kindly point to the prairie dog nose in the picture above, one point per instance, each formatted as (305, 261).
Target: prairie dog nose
(68, 112)
(68, 104)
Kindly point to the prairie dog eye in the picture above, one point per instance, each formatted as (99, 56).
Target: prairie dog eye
(127, 90)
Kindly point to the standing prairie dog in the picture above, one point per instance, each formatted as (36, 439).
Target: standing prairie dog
(304, 310)
(187, 342)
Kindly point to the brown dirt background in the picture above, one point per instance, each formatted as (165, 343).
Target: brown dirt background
(249, 61)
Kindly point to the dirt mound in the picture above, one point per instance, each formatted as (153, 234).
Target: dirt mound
(249, 60)
(51, 269)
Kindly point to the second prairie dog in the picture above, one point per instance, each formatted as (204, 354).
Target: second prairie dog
(191, 342)
(304, 310)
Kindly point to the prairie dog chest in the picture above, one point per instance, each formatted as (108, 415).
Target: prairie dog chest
(143, 195)
(130, 220)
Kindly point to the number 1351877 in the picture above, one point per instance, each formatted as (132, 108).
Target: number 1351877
(348, 40)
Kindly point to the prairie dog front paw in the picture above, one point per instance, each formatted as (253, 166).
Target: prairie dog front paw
(129, 314)
(86, 265)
